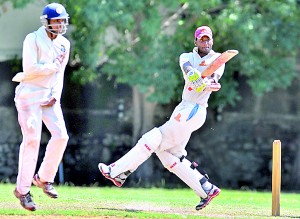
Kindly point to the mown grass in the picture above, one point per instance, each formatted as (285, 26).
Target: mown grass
(148, 203)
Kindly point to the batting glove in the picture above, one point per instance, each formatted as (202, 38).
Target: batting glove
(195, 78)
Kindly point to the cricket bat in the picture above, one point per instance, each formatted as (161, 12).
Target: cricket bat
(218, 62)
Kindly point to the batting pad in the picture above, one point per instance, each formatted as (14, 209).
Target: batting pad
(147, 144)
(189, 176)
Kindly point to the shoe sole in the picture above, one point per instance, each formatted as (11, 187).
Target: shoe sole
(209, 200)
(107, 177)
(37, 185)
(29, 209)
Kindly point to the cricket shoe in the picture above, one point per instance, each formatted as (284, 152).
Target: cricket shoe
(25, 200)
(118, 180)
(47, 187)
(210, 195)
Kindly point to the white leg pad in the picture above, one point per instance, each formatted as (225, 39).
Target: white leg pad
(147, 144)
(189, 176)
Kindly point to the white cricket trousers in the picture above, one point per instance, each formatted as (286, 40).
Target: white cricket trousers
(186, 118)
(30, 116)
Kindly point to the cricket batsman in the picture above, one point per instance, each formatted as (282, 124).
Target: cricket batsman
(169, 140)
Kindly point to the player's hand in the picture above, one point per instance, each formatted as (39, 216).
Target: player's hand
(49, 102)
(213, 87)
(59, 60)
(195, 78)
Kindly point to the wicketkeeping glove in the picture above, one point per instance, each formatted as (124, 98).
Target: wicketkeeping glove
(198, 83)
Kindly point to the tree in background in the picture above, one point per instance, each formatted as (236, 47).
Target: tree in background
(138, 43)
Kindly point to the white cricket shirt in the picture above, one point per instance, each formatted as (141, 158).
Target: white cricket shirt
(200, 64)
(39, 54)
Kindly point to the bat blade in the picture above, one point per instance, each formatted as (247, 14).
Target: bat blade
(218, 62)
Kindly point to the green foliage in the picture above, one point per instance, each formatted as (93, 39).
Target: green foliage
(265, 33)
(139, 42)
(147, 68)
(16, 3)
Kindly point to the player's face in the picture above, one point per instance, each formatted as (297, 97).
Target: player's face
(58, 26)
(204, 45)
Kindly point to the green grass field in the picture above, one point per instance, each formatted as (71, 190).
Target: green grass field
(113, 202)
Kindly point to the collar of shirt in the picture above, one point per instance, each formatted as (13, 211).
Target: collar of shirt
(42, 32)
(195, 51)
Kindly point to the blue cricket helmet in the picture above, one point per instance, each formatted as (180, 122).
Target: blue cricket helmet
(55, 11)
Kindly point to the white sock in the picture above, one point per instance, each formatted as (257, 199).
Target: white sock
(207, 186)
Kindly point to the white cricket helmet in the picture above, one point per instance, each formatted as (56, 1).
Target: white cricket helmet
(55, 11)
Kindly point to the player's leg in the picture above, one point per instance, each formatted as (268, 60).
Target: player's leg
(187, 172)
(118, 171)
(186, 118)
(54, 121)
(30, 121)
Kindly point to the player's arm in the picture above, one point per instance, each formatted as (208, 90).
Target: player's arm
(218, 74)
(192, 74)
(187, 67)
(214, 84)
(31, 65)
(185, 64)
(58, 86)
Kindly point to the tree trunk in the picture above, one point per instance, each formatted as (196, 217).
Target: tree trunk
(137, 115)
(143, 116)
